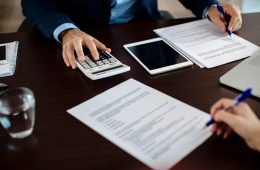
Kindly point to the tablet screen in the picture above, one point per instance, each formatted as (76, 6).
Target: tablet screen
(156, 54)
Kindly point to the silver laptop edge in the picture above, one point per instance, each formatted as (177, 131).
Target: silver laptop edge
(245, 75)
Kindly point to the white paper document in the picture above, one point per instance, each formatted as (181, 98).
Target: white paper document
(148, 124)
(204, 44)
(8, 68)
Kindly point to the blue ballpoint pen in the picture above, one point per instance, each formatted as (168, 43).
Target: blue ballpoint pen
(221, 11)
(243, 96)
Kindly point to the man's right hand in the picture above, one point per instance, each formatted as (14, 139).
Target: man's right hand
(74, 40)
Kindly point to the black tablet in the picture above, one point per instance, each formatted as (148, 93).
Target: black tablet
(157, 56)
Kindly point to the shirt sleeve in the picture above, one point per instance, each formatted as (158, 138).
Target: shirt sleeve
(62, 28)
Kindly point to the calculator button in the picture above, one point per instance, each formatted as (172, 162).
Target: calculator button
(108, 56)
(102, 57)
(81, 62)
(100, 63)
(86, 66)
(90, 62)
(92, 65)
(112, 60)
(87, 58)
(106, 61)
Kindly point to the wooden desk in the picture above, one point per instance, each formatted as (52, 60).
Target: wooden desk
(59, 141)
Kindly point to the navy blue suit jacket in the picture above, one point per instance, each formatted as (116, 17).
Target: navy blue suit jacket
(47, 15)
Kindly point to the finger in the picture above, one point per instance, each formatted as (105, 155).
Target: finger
(236, 19)
(214, 128)
(226, 117)
(101, 46)
(220, 104)
(92, 48)
(79, 50)
(217, 20)
(71, 56)
(65, 57)
(221, 129)
(239, 23)
(237, 26)
(227, 133)
(232, 23)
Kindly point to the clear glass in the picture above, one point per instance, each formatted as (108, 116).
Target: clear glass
(17, 111)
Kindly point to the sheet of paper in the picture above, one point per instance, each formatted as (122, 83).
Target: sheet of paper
(148, 124)
(8, 69)
(203, 43)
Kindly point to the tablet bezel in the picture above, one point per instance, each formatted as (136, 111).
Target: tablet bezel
(162, 69)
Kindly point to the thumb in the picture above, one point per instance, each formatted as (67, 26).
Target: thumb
(226, 117)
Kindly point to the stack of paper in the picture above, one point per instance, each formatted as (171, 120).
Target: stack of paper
(8, 69)
(204, 44)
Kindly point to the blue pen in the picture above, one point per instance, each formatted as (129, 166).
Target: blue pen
(221, 11)
(243, 96)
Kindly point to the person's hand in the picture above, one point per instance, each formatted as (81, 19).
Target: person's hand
(74, 40)
(233, 11)
(240, 119)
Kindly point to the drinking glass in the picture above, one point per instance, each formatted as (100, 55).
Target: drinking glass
(17, 111)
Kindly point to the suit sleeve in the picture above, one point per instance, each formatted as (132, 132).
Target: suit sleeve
(198, 6)
(44, 15)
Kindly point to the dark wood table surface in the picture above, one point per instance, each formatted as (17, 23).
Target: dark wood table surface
(59, 141)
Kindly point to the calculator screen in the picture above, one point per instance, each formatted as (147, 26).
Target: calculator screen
(2, 52)
(156, 54)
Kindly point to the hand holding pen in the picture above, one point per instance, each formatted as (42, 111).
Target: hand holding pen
(239, 118)
(222, 13)
(218, 17)
(240, 98)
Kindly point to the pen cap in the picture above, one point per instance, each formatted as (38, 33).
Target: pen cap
(246, 94)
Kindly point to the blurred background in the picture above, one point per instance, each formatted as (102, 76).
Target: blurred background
(11, 14)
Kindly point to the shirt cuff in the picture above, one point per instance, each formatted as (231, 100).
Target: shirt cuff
(62, 28)
(206, 11)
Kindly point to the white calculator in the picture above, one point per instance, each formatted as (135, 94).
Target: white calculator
(106, 66)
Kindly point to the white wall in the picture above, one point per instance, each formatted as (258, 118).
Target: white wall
(178, 11)
(246, 6)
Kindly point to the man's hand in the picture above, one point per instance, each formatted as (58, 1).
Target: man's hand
(74, 40)
(233, 11)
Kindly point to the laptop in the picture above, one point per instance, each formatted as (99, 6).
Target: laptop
(245, 75)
